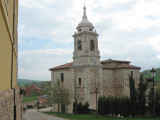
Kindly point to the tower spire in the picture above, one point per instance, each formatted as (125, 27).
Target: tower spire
(84, 12)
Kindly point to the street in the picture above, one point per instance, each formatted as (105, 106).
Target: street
(34, 115)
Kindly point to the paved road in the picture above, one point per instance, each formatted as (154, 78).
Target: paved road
(41, 116)
(34, 115)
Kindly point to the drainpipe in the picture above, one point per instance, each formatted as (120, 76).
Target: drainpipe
(14, 94)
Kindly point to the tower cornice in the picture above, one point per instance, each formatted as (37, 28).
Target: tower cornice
(85, 32)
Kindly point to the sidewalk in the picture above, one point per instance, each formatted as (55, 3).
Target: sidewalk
(25, 117)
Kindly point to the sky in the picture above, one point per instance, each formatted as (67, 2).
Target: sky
(128, 30)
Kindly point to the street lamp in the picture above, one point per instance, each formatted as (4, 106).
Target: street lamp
(151, 79)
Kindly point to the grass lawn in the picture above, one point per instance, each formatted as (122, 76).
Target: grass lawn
(90, 117)
(27, 99)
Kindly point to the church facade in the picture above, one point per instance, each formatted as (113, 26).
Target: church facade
(87, 77)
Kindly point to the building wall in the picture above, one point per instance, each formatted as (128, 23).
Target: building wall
(116, 82)
(68, 82)
(6, 41)
(108, 82)
(6, 105)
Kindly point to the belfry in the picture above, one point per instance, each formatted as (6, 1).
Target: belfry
(85, 44)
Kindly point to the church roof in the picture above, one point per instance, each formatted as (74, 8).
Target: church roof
(114, 61)
(64, 66)
(122, 65)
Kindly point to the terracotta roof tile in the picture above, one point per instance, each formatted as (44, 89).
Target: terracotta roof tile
(67, 65)
(115, 61)
(120, 66)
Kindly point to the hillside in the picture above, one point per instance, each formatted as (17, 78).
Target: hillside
(147, 73)
(23, 82)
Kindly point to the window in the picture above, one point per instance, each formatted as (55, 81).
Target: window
(90, 29)
(62, 77)
(131, 73)
(79, 45)
(79, 30)
(79, 81)
(92, 45)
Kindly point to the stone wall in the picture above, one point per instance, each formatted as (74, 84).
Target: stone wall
(68, 82)
(7, 103)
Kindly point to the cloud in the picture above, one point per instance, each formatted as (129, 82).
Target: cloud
(33, 63)
(158, 57)
(128, 30)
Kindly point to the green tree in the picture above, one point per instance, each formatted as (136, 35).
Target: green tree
(142, 87)
(150, 100)
(60, 94)
(133, 96)
(75, 104)
(157, 102)
(80, 108)
(86, 108)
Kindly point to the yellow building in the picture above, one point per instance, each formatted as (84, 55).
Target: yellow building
(10, 102)
(8, 42)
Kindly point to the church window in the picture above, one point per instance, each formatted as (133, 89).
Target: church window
(79, 45)
(79, 30)
(62, 77)
(79, 81)
(92, 45)
(131, 73)
(90, 29)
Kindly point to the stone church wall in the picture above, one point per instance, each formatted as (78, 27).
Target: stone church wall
(94, 84)
(122, 81)
(7, 103)
(68, 82)
(108, 82)
(116, 82)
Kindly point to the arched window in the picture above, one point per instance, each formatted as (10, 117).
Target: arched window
(92, 45)
(79, 81)
(79, 45)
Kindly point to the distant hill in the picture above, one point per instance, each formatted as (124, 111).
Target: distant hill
(23, 82)
(147, 73)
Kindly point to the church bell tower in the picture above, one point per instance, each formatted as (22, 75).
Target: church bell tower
(85, 44)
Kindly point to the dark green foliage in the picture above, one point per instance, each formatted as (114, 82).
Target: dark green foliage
(75, 106)
(29, 106)
(85, 108)
(142, 87)
(133, 96)
(101, 105)
(114, 106)
(150, 100)
(81, 109)
(157, 103)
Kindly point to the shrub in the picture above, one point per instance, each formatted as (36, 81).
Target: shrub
(29, 106)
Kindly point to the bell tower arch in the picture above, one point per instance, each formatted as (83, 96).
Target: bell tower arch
(85, 43)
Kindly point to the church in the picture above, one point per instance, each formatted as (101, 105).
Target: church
(87, 76)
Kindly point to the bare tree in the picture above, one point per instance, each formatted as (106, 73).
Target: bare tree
(60, 94)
